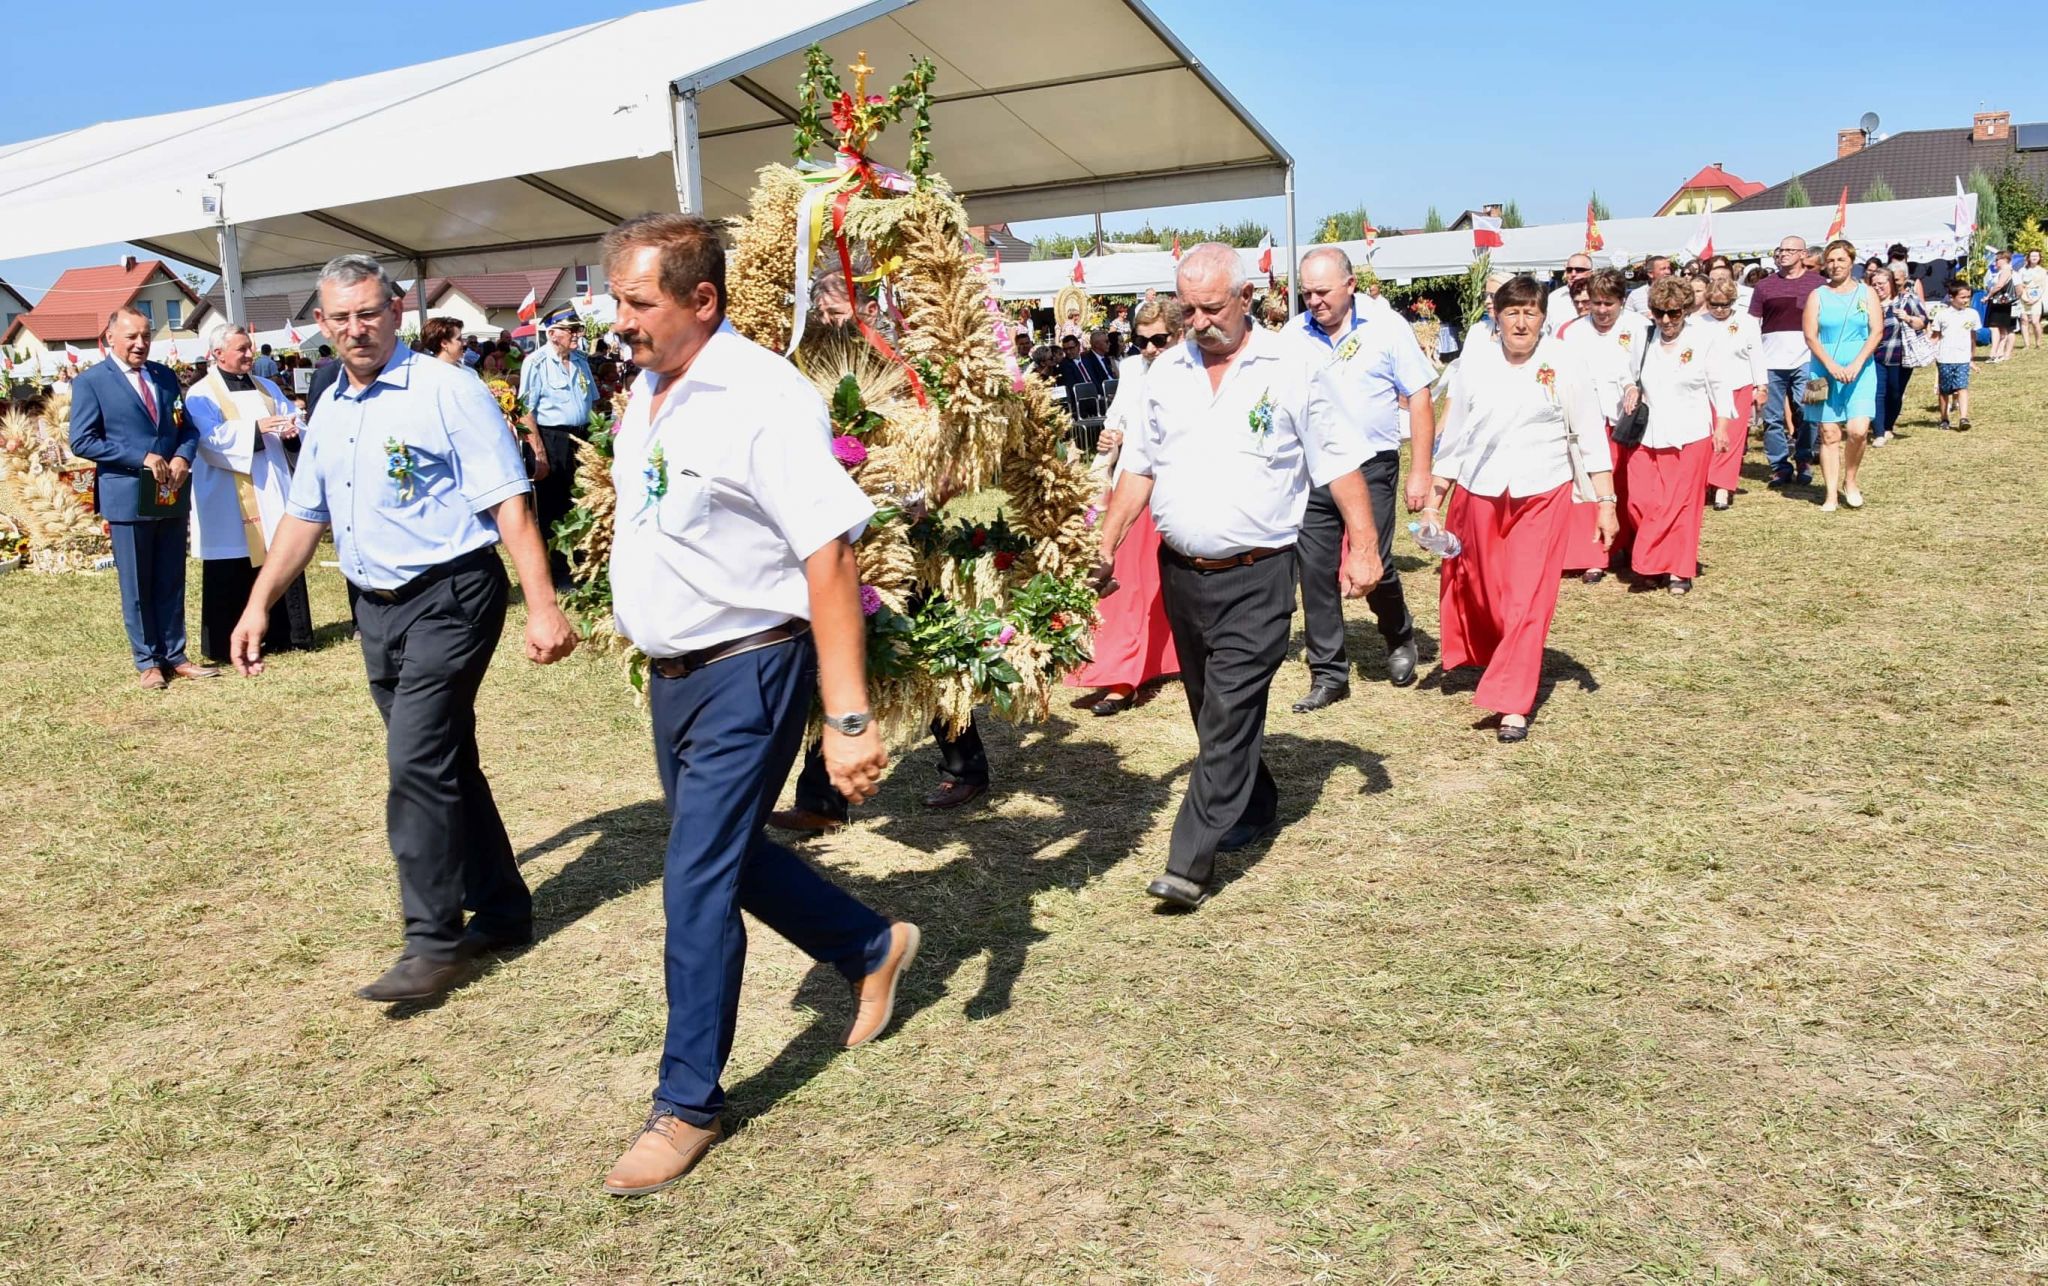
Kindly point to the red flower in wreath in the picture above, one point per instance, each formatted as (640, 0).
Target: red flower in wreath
(978, 537)
(1004, 559)
(1058, 621)
(842, 113)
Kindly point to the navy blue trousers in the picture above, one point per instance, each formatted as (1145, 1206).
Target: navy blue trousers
(725, 737)
(149, 559)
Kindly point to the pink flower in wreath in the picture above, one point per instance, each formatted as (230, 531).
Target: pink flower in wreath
(1005, 635)
(849, 451)
(870, 600)
(1090, 514)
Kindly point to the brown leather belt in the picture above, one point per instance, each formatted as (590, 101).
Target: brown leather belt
(677, 667)
(1245, 559)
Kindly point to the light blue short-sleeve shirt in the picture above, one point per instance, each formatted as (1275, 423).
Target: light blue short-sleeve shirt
(559, 391)
(407, 469)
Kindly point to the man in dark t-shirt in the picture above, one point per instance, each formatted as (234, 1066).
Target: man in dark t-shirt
(1779, 305)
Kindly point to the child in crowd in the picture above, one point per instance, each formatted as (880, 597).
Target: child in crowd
(1955, 328)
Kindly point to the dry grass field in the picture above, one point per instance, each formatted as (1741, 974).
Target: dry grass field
(1734, 971)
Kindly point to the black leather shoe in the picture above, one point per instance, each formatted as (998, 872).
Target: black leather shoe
(1175, 891)
(1322, 694)
(1593, 575)
(415, 978)
(1512, 732)
(1245, 834)
(951, 793)
(1401, 665)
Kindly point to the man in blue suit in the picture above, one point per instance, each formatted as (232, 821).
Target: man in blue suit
(127, 418)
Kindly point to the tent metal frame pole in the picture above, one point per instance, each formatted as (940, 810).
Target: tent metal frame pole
(232, 294)
(1293, 285)
(419, 267)
(688, 153)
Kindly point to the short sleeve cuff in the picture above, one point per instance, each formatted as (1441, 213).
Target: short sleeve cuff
(303, 514)
(1329, 468)
(498, 495)
(829, 524)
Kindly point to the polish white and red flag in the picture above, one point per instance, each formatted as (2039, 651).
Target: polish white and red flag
(1266, 256)
(1485, 232)
(1701, 246)
(529, 307)
(293, 333)
(1372, 240)
(1080, 274)
(71, 354)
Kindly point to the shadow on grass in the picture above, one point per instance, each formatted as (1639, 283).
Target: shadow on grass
(978, 904)
(1558, 667)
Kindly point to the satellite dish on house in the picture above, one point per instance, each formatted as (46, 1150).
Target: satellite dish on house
(1868, 124)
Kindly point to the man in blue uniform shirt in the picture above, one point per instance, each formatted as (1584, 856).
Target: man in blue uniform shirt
(558, 389)
(414, 471)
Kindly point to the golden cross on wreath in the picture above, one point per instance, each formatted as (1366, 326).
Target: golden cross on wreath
(861, 71)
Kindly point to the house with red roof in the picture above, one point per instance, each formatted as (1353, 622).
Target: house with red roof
(1711, 189)
(74, 311)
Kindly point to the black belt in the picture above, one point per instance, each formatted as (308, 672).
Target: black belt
(475, 558)
(677, 667)
(1245, 559)
(573, 430)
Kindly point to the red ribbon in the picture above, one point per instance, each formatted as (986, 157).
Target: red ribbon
(874, 337)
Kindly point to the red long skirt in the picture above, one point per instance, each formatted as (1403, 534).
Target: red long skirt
(1725, 471)
(1667, 497)
(1583, 551)
(1500, 593)
(1133, 645)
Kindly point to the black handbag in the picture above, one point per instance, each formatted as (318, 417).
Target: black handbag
(1628, 430)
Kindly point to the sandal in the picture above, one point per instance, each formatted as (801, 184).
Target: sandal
(1680, 586)
(1510, 733)
(1722, 500)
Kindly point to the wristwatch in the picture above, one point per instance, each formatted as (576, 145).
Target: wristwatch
(851, 725)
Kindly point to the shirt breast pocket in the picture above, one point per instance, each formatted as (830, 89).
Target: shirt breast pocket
(683, 511)
(413, 471)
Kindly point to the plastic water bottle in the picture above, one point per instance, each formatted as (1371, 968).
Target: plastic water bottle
(1437, 540)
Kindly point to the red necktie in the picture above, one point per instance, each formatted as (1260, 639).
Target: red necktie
(148, 398)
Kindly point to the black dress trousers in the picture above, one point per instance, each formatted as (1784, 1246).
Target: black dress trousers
(1230, 628)
(426, 656)
(1321, 548)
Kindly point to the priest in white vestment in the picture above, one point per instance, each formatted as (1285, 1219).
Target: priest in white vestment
(246, 425)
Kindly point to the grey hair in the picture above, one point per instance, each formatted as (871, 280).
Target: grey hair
(221, 336)
(1212, 257)
(1330, 252)
(347, 270)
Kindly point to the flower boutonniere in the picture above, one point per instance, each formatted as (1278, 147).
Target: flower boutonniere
(654, 478)
(399, 467)
(1733, 329)
(1347, 348)
(1546, 375)
(1626, 339)
(1261, 417)
(1685, 357)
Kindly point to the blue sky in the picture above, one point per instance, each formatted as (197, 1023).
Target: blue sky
(1396, 107)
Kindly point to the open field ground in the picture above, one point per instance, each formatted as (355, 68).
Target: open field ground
(1735, 970)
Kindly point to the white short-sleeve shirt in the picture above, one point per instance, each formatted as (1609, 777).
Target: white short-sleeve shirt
(1371, 367)
(751, 491)
(1613, 357)
(1231, 469)
(1507, 424)
(1687, 386)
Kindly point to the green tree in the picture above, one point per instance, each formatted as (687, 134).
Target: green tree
(1433, 222)
(1600, 210)
(1990, 219)
(1511, 216)
(1344, 225)
(1795, 195)
(2029, 237)
(2019, 197)
(1879, 190)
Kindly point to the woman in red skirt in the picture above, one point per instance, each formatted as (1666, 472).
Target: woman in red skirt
(1522, 405)
(1611, 339)
(1742, 348)
(1133, 645)
(1685, 381)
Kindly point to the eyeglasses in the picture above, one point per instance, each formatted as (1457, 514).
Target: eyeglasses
(1160, 340)
(1787, 250)
(1661, 313)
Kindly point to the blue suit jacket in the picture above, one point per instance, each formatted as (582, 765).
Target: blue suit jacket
(110, 428)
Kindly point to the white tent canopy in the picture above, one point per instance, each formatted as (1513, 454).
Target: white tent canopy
(1923, 225)
(656, 110)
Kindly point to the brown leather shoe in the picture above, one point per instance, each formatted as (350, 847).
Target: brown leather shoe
(414, 978)
(667, 1148)
(153, 680)
(804, 820)
(951, 793)
(875, 995)
(187, 670)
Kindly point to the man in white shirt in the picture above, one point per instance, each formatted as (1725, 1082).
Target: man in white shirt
(1371, 368)
(1559, 309)
(1233, 432)
(1658, 268)
(733, 569)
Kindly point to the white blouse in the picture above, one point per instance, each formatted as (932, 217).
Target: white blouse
(1505, 425)
(1614, 358)
(1687, 386)
(1741, 343)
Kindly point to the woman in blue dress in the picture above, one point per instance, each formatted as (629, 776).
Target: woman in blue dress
(1844, 324)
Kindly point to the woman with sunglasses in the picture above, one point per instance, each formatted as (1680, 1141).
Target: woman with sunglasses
(1685, 382)
(1843, 327)
(1515, 409)
(1133, 644)
(1741, 344)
